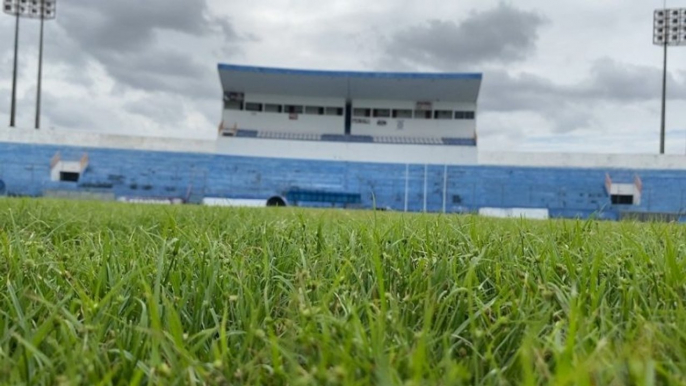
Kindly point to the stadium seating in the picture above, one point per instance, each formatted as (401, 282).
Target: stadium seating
(244, 133)
(348, 138)
(289, 136)
(459, 141)
(25, 170)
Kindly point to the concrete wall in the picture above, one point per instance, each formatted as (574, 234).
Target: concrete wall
(352, 152)
(64, 166)
(283, 122)
(344, 151)
(413, 127)
(533, 214)
(107, 141)
(580, 160)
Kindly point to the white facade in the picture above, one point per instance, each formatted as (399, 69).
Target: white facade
(413, 126)
(312, 117)
(283, 122)
(376, 104)
(349, 152)
(582, 160)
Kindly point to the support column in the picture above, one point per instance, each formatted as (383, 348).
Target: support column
(13, 111)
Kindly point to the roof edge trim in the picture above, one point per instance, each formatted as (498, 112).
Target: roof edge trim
(349, 74)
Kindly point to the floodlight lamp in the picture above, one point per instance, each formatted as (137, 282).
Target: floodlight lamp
(33, 9)
(669, 27)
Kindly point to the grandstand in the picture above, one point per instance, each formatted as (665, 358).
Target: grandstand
(403, 142)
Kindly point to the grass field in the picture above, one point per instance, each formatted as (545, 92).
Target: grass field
(110, 294)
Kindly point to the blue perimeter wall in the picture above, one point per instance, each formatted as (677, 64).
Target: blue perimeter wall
(566, 192)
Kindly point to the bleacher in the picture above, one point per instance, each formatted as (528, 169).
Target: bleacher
(398, 140)
(409, 140)
(347, 138)
(289, 136)
(568, 192)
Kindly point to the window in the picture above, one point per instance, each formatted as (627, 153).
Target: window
(314, 110)
(233, 105)
(334, 111)
(69, 177)
(622, 199)
(382, 113)
(421, 114)
(251, 106)
(443, 114)
(362, 112)
(403, 114)
(269, 108)
(292, 109)
(464, 115)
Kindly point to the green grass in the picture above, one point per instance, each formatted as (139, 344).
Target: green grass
(96, 293)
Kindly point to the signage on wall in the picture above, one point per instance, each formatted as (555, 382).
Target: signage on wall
(381, 123)
(293, 116)
(151, 200)
(401, 124)
(424, 106)
(361, 121)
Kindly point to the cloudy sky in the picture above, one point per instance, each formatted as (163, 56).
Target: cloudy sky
(572, 75)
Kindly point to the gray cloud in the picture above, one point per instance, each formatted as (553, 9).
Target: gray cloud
(129, 25)
(500, 35)
(133, 52)
(136, 42)
(496, 38)
(573, 106)
(608, 82)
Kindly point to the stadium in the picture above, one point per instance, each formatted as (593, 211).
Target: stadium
(336, 227)
(391, 141)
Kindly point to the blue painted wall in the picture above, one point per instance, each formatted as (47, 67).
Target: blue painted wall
(25, 170)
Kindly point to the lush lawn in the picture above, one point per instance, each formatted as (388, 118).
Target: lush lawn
(119, 294)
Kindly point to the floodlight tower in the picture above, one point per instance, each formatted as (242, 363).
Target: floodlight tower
(669, 29)
(32, 9)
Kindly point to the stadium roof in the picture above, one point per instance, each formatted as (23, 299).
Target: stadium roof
(454, 87)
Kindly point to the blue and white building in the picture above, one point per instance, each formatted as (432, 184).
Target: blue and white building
(397, 141)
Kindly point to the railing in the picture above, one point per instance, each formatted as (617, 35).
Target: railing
(638, 183)
(84, 162)
(228, 132)
(55, 160)
(608, 183)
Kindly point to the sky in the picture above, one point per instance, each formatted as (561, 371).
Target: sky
(577, 76)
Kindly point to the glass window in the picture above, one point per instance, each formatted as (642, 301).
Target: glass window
(292, 109)
(443, 114)
(334, 111)
(269, 108)
(233, 105)
(362, 112)
(464, 115)
(252, 106)
(314, 110)
(421, 114)
(382, 113)
(405, 114)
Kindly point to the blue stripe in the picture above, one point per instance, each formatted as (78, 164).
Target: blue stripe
(349, 74)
